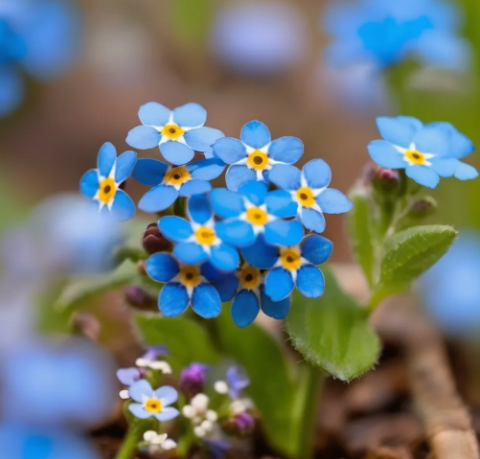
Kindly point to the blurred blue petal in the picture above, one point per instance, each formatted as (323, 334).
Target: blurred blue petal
(226, 204)
(312, 220)
(224, 257)
(285, 177)
(175, 152)
(175, 228)
(459, 144)
(445, 167)
(317, 173)
(203, 138)
(278, 284)
(465, 172)
(167, 394)
(400, 130)
(190, 253)
(260, 254)
(167, 414)
(310, 281)
(316, 249)
(274, 309)
(423, 175)
(281, 204)
(89, 183)
(124, 167)
(332, 201)
(190, 115)
(385, 155)
(236, 232)
(106, 158)
(11, 89)
(195, 187)
(255, 192)
(432, 140)
(285, 233)
(286, 149)
(245, 307)
(199, 209)
(158, 198)
(230, 150)
(238, 175)
(123, 207)
(206, 169)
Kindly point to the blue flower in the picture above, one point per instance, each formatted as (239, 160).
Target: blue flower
(103, 184)
(170, 182)
(387, 32)
(255, 156)
(291, 267)
(237, 381)
(306, 193)
(247, 215)
(426, 152)
(178, 133)
(153, 402)
(184, 285)
(197, 240)
(129, 376)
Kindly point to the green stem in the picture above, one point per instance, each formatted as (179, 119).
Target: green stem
(132, 439)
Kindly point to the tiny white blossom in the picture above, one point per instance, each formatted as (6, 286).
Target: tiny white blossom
(241, 405)
(204, 420)
(158, 442)
(161, 365)
(124, 395)
(221, 387)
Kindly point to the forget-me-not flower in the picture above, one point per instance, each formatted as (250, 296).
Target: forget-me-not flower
(426, 152)
(386, 32)
(103, 184)
(197, 239)
(178, 133)
(170, 182)
(247, 215)
(308, 190)
(151, 402)
(291, 267)
(236, 382)
(254, 156)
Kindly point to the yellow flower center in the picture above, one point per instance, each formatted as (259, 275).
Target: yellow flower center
(257, 160)
(205, 235)
(177, 176)
(107, 190)
(305, 196)
(153, 405)
(257, 216)
(249, 277)
(190, 276)
(172, 131)
(415, 157)
(290, 259)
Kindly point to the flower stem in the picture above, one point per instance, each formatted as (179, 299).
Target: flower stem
(130, 443)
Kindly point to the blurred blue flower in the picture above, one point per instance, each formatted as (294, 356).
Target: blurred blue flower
(37, 37)
(306, 193)
(193, 378)
(197, 239)
(129, 376)
(237, 381)
(451, 290)
(153, 402)
(71, 385)
(103, 184)
(388, 31)
(259, 39)
(254, 157)
(178, 133)
(426, 152)
(184, 285)
(247, 215)
(170, 182)
(291, 267)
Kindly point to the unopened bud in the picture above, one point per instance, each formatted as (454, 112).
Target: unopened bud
(192, 379)
(239, 425)
(87, 325)
(422, 208)
(386, 180)
(154, 241)
(139, 298)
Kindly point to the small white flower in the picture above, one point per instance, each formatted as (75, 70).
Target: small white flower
(160, 365)
(158, 442)
(124, 395)
(203, 419)
(221, 387)
(241, 405)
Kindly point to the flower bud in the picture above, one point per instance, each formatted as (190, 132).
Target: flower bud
(192, 379)
(138, 298)
(240, 425)
(422, 208)
(154, 241)
(386, 181)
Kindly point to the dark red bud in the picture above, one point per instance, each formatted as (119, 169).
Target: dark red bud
(154, 241)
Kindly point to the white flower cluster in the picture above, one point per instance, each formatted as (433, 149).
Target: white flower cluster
(158, 442)
(203, 419)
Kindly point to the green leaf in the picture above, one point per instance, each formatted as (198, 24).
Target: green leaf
(332, 331)
(263, 359)
(186, 340)
(410, 253)
(360, 231)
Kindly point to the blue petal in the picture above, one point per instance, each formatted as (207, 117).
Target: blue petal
(398, 131)
(167, 414)
(89, 183)
(190, 253)
(154, 114)
(158, 198)
(203, 138)
(11, 89)
(224, 257)
(123, 207)
(162, 267)
(149, 171)
(195, 187)
(281, 204)
(190, 115)
(177, 153)
(254, 191)
(143, 137)
(139, 389)
(167, 394)
(423, 175)
(260, 254)
(206, 169)
(281, 232)
(310, 281)
(245, 307)
(125, 163)
(444, 167)
(332, 201)
(317, 173)
(431, 140)
(238, 175)
(275, 309)
(385, 155)
(316, 249)
(230, 150)
(235, 232)
(199, 209)
(226, 204)
(206, 301)
(466, 172)
(225, 283)
(313, 220)
(285, 177)
(139, 411)
(173, 300)
(175, 228)
(255, 134)
(278, 284)
(106, 159)
(459, 144)
(286, 149)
